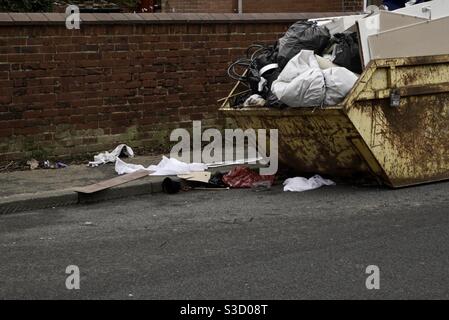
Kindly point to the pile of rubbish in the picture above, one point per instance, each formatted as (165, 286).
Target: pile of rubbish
(181, 176)
(307, 67)
(317, 62)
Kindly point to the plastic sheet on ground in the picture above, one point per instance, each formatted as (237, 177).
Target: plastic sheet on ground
(106, 157)
(300, 184)
(167, 167)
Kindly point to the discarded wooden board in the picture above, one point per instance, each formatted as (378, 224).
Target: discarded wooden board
(106, 184)
(432, 10)
(377, 23)
(196, 176)
(421, 39)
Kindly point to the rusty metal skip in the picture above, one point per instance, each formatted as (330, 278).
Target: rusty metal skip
(393, 126)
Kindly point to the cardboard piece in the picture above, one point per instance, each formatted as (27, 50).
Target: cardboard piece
(106, 184)
(196, 176)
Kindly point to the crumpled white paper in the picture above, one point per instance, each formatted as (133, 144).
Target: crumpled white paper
(300, 184)
(167, 167)
(106, 157)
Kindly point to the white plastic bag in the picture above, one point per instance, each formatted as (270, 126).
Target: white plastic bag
(106, 157)
(300, 184)
(301, 83)
(339, 81)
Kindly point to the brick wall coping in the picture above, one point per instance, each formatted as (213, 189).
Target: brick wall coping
(160, 18)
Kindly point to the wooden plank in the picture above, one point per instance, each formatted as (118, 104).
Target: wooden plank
(106, 184)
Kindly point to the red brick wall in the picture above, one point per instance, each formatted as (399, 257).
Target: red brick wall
(65, 93)
(214, 6)
(254, 6)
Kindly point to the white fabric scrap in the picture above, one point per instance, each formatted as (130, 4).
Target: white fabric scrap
(106, 157)
(300, 184)
(167, 167)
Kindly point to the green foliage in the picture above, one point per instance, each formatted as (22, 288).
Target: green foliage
(26, 5)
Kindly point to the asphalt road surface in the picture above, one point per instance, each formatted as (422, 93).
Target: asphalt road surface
(236, 244)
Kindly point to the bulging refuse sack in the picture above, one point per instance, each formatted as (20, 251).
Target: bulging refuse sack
(303, 83)
(339, 81)
(345, 52)
(303, 35)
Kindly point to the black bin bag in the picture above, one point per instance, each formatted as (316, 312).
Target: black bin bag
(344, 48)
(303, 35)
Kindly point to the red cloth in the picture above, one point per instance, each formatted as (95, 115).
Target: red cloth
(244, 177)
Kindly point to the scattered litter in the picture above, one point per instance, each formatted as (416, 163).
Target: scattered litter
(300, 184)
(244, 177)
(88, 223)
(106, 157)
(33, 163)
(167, 167)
